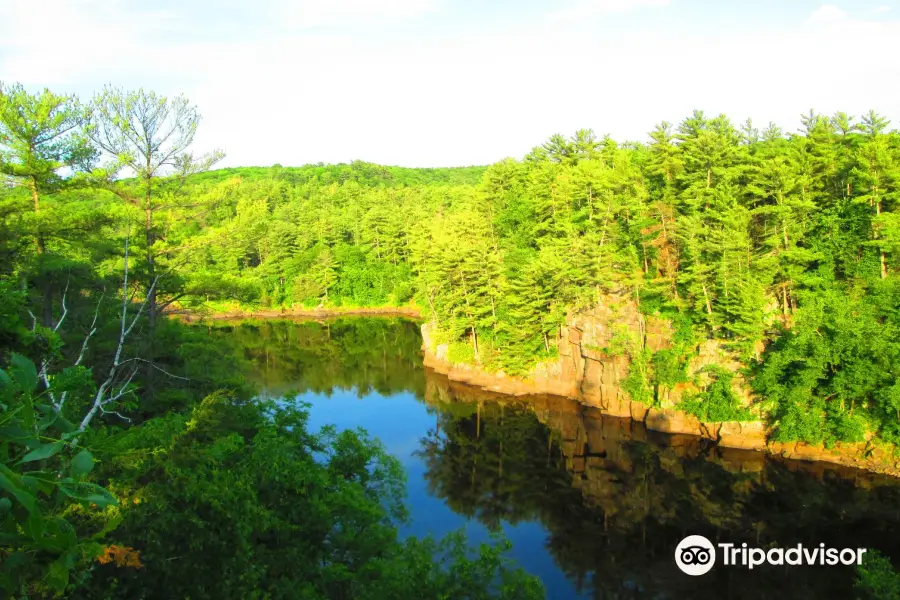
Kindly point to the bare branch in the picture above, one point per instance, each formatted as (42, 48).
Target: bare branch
(93, 330)
(157, 367)
(45, 377)
(65, 310)
(123, 389)
(100, 398)
(113, 412)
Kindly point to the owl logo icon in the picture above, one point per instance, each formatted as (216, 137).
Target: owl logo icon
(695, 555)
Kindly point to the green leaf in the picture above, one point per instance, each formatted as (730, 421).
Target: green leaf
(24, 373)
(81, 464)
(58, 577)
(35, 526)
(9, 481)
(110, 526)
(45, 483)
(16, 434)
(5, 505)
(5, 380)
(15, 561)
(42, 452)
(88, 492)
(66, 426)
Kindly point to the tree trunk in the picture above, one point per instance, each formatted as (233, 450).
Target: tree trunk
(149, 371)
(46, 285)
(35, 196)
(590, 204)
(151, 268)
(784, 300)
(881, 253)
(434, 318)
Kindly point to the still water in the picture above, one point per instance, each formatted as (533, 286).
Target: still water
(593, 505)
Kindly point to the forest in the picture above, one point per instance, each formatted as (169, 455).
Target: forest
(784, 246)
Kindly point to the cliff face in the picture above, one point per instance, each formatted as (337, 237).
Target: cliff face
(586, 372)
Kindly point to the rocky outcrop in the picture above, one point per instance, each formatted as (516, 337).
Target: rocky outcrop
(599, 448)
(590, 371)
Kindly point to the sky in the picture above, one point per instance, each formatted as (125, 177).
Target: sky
(430, 83)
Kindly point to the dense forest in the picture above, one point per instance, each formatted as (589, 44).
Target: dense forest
(784, 246)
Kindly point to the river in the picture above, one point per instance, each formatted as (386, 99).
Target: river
(593, 505)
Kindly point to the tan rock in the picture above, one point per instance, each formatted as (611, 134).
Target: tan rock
(590, 379)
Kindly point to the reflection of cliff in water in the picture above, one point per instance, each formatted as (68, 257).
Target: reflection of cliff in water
(617, 499)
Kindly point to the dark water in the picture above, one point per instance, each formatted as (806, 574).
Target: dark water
(593, 505)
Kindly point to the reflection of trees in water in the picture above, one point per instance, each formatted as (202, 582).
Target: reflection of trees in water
(617, 499)
(372, 354)
(491, 462)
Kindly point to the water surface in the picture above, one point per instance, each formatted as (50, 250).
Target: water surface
(593, 505)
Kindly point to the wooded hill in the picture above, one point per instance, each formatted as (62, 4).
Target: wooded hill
(762, 239)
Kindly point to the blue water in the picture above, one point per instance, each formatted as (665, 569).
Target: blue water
(400, 421)
(593, 506)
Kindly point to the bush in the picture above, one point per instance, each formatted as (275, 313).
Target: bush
(802, 420)
(637, 383)
(461, 352)
(876, 578)
(668, 368)
(718, 401)
(240, 500)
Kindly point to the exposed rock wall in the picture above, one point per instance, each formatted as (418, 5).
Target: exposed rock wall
(588, 373)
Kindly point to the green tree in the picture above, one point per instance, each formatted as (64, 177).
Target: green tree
(40, 137)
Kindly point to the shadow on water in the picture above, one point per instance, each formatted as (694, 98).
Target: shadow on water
(612, 498)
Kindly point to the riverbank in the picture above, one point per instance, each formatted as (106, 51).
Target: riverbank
(579, 374)
(193, 316)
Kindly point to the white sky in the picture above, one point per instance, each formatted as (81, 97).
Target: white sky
(457, 82)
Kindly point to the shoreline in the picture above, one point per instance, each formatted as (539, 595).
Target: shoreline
(738, 435)
(746, 435)
(193, 316)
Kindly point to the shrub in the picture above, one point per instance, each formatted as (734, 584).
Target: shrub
(718, 401)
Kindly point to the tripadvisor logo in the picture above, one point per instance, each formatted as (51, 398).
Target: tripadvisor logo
(696, 555)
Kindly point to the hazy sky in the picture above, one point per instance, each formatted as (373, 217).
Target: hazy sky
(453, 82)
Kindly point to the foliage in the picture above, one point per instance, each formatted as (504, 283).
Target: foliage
(240, 500)
(833, 376)
(876, 578)
(717, 402)
(43, 473)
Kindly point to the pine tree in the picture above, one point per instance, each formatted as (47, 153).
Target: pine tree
(877, 173)
(40, 136)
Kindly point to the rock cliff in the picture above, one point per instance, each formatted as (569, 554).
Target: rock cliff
(587, 372)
